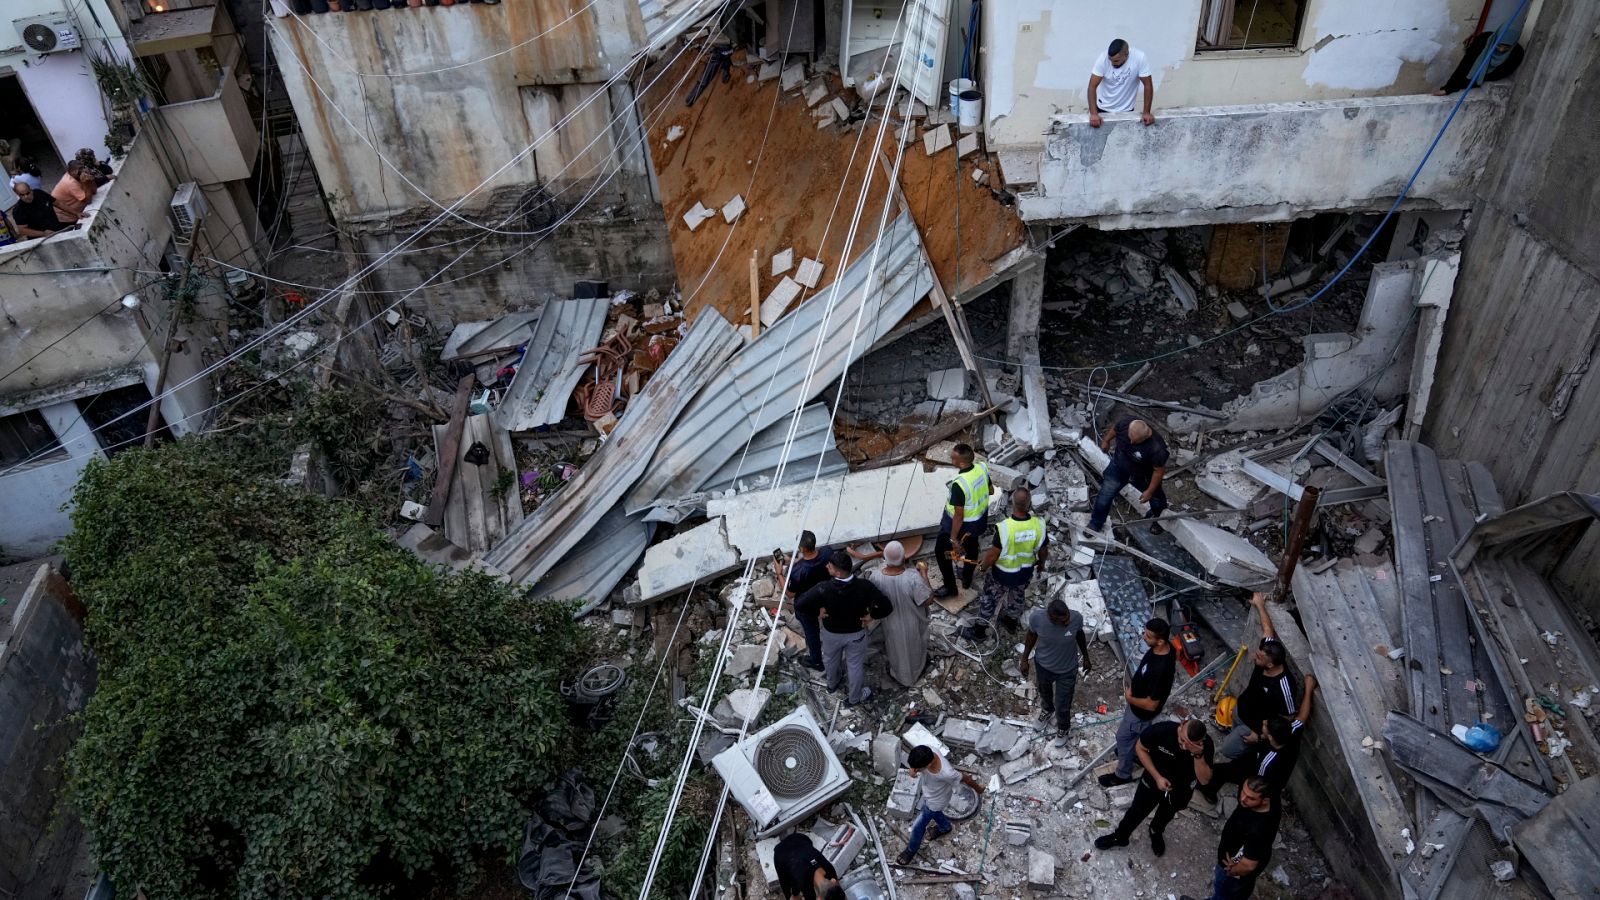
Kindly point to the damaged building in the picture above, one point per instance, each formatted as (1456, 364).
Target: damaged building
(661, 285)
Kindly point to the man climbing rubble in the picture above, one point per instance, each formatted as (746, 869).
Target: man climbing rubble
(803, 872)
(965, 514)
(1020, 544)
(810, 569)
(1246, 845)
(1146, 693)
(1056, 641)
(938, 779)
(1271, 692)
(1139, 457)
(846, 606)
(1176, 756)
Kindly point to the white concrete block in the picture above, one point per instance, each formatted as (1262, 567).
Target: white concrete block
(816, 91)
(999, 738)
(823, 116)
(902, 803)
(733, 209)
(697, 216)
(809, 273)
(1228, 557)
(1084, 598)
(792, 76)
(745, 658)
(967, 144)
(841, 109)
(1223, 490)
(979, 176)
(1004, 478)
(678, 561)
(782, 262)
(936, 139)
(962, 731)
(742, 705)
(947, 384)
(769, 71)
(886, 754)
(778, 300)
(918, 734)
(1041, 870)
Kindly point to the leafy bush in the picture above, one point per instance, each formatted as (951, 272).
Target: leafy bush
(289, 705)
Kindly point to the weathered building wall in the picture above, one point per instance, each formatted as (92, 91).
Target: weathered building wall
(1517, 386)
(60, 86)
(1038, 52)
(46, 676)
(1262, 162)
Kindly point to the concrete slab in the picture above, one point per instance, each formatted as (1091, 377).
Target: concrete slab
(678, 561)
(999, 738)
(936, 139)
(962, 731)
(778, 300)
(782, 262)
(1084, 598)
(809, 273)
(793, 76)
(697, 216)
(886, 754)
(1041, 870)
(1226, 556)
(967, 144)
(815, 91)
(733, 209)
(746, 658)
(947, 384)
(742, 705)
(918, 735)
(902, 803)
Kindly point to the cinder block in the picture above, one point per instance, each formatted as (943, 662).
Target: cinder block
(967, 144)
(902, 803)
(1041, 870)
(809, 273)
(886, 754)
(840, 108)
(697, 216)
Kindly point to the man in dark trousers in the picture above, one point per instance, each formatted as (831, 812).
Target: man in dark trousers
(803, 872)
(966, 511)
(1020, 546)
(1056, 642)
(1271, 691)
(1176, 756)
(846, 605)
(809, 569)
(1272, 759)
(1146, 693)
(1246, 845)
(1138, 457)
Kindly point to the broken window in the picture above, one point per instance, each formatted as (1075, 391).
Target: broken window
(1250, 24)
(118, 418)
(26, 438)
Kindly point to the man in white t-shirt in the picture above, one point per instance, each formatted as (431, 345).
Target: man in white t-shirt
(1114, 83)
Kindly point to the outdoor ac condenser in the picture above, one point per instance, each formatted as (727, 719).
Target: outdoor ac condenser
(783, 773)
(188, 208)
(49, 33)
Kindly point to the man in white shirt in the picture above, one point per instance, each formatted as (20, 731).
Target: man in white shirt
(1114, 83)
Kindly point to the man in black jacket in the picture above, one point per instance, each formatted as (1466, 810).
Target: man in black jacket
(803, 872)
(846, 605)
(1176, 756)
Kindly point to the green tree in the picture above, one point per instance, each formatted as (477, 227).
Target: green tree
(289, 705)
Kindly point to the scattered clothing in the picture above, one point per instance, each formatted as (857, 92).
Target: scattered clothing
(1119, 85)
(905, 632)
(797, 861)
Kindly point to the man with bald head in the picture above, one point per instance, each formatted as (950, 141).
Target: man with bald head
(1139, 458)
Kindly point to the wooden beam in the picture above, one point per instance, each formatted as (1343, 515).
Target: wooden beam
(755, 296)
(449, 453)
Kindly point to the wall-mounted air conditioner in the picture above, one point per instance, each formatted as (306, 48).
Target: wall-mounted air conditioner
(188, 208)
(783, 773)
(48, 34)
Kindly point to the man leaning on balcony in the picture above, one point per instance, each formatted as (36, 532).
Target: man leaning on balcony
(74, 192)
(1114, 83)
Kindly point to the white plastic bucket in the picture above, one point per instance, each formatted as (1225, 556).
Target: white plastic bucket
(957, 85)
(969, 109)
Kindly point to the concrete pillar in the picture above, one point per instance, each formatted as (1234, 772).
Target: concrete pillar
(1027, 304)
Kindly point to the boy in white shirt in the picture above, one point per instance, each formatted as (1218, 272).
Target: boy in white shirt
(1114, 83)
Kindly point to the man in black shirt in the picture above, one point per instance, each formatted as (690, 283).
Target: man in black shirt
(846, 605)
(1270, 692)
(1146, 693)
(35, 212)
(1140, 459)
(1272, 759)
(1246, 845)
(803, 872)
(810, 568)
(1175, 756)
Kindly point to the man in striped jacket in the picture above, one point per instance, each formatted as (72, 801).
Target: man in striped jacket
(1272, 690)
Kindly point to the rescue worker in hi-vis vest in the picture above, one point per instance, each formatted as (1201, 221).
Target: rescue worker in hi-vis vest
(966, 512)
(1019, 545)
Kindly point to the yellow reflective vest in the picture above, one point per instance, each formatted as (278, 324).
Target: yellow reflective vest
(1020, 541)
(974, 484)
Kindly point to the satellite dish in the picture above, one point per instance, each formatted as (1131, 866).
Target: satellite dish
(41, 38)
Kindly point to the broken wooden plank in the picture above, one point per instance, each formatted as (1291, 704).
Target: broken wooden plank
(449, 452)
(911, 447)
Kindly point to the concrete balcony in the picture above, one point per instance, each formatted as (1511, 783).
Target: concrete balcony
(218, 135)
(1256, 163)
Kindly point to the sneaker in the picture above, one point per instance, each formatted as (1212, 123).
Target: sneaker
(866, 694)
(1112, 779)
(1046, 714)
(1158, 844)
(905, 858)
(1107, 841)
(1061, 738)
(944, 593)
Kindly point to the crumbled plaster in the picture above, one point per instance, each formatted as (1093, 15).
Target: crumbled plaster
(1364, 43)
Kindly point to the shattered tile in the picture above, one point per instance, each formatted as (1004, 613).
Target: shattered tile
(733, 209)
(782, 262)
(793, 76)
(769, 71)
(936, 139)
(809, 273)
(967, 144)
(777, 302)
(816, 91)
(840, 108)
(697, 216)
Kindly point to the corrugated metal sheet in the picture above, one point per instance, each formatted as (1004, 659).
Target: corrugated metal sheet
(666, 19)
(765, 381)
(543, 384)
(566, 519)
(592, 570)
(755, 468)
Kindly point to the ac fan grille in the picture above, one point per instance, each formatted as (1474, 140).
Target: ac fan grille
(40, 37)
(790, 762)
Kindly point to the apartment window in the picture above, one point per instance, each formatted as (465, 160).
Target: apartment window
(118, 417)
(26, 438)
(1250, 24)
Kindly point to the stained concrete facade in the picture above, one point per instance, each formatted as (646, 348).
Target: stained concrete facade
(1516, 384)
(518, 112)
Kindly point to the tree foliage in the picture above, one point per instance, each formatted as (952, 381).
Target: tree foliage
(289, 705)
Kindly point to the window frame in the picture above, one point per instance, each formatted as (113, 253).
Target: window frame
(33, 453)
(1202, 47)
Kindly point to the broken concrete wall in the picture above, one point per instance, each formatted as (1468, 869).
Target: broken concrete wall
(1227, 164)
(46, 676)
(1376, 357)
(1037, 55)
(1516, 386)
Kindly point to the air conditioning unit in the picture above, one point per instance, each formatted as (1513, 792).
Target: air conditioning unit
(48, 34)
(188, 208)
(783, 773)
